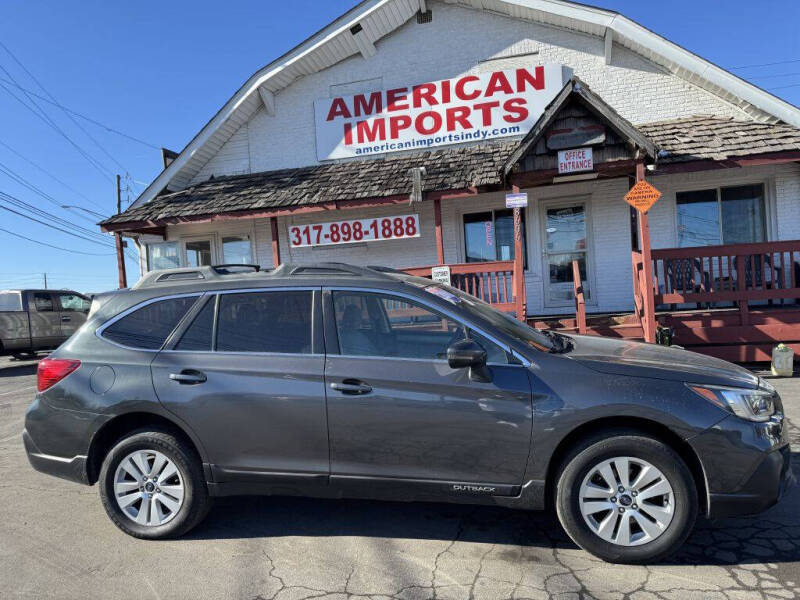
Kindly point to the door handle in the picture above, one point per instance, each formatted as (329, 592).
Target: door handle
(352, 387)
(188, 377)
(66, 319)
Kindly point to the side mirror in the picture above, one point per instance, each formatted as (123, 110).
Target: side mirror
(469, 354)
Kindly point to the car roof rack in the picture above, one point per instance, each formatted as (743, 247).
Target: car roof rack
(327, 268)
(231, 268)
(231, 271)
(184, 274)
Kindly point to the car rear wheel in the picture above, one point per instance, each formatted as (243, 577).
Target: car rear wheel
(626, 497)
(152, 486)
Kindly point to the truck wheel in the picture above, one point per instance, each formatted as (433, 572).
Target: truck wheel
(152, 486)
(627, 498)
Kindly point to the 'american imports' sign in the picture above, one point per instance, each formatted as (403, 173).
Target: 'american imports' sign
(451, 111)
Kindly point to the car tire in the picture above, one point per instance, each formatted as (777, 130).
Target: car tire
(637, 525)
(157, 513)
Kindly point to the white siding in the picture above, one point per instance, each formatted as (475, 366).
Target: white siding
(460, 41)
(232, 159)
(411, 252)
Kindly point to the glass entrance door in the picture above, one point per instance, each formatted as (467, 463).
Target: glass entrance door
(564, 241)
(199, 253)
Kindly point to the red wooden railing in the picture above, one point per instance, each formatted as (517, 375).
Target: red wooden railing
(493, 282)
(740, 273)
(580, 300)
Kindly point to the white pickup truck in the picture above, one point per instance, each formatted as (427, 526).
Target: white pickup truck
(33, 320)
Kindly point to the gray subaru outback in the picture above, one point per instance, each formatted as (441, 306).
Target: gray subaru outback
(338, 381)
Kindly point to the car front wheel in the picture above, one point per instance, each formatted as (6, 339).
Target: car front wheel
(626, 497)
(152, 486)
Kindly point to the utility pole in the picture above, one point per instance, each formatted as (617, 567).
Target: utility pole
(44, 275)
(123, 279)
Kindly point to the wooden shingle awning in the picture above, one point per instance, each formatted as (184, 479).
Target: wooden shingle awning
(461, 170)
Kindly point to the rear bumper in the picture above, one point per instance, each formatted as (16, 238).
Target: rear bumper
(71, 468)
(765, 487)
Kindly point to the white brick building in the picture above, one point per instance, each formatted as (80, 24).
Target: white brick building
(265, 163)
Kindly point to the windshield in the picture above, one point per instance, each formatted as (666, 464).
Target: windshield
(541, 340)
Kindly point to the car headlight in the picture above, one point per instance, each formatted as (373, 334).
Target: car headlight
(753, 405)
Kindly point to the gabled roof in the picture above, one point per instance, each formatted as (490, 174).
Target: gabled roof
(378, 18)
(575, 88)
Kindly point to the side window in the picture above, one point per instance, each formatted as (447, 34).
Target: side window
(149, 326)
(370, 324)
(10, 301)
(43, 302)
(278, 321)
(198, 336)
(73, 303)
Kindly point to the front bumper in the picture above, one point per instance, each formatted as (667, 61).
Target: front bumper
(73, 468)
(747, 466)
(767, 485)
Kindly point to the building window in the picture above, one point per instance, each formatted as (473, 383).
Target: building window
(729, 215)
(162, 255)
(236, 250)
(489, 236)
(198, 253)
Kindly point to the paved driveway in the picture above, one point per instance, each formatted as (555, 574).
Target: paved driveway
(55, 541)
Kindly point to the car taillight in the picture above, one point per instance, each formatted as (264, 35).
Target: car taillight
(53, 370)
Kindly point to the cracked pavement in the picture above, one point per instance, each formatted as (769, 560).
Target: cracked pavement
(56, 542)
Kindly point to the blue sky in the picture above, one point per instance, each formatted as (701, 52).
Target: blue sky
(157, 71)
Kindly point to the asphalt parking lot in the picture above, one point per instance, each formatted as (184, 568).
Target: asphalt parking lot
(56, 542)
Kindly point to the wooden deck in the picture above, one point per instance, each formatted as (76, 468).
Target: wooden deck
(715, 332)
(734, 302)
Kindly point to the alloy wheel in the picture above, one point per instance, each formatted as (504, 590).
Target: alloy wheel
(626, 501)
(148, 487)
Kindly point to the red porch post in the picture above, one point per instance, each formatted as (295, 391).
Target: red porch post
(646, 287)
(519, 275)
(276, 247)
(123, 277)
(437, 219)
(580, 301)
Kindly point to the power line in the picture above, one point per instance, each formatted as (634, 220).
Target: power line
(50, 225)
(783, 87)
(71, 118)
(773, 76)
(73, 251)
(44, 117)
(772, 64)
(49, 174)
(82, 116)
(25, 183)
(47, 215)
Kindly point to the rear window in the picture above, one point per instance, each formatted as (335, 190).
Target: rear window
(10, 301)
(43, 302)
(265, 322)
(148, 327)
